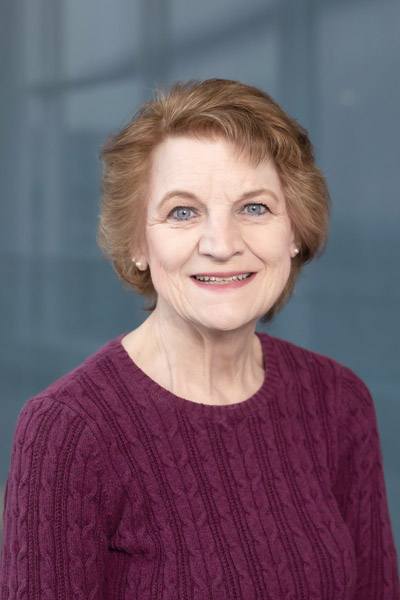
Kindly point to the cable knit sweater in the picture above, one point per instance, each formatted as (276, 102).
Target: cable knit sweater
(118, 489)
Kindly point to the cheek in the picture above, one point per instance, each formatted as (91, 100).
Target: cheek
(272, 246)
(169, 249)
(167, 242)
(167, 252)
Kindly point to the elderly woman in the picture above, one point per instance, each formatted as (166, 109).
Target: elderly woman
(195, 458)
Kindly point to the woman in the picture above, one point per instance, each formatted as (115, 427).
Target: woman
(194, 458)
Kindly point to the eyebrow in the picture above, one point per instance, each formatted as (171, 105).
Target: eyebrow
(190, 196)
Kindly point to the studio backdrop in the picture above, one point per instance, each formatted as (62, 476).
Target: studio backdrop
(74, 70)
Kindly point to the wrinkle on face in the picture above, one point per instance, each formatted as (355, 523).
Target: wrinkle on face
(190, 325)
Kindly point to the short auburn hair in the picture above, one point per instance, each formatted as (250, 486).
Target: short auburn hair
(239, 113)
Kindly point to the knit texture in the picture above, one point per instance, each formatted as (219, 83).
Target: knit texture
(118, 489)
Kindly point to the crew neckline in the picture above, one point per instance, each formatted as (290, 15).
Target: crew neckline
(134, 377)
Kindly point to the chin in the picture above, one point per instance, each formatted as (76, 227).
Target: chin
(226, 321)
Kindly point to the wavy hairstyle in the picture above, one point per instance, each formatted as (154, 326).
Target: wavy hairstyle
(239, 113)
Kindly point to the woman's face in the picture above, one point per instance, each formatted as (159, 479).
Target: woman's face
(211, 213)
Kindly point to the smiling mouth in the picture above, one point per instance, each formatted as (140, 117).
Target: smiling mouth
(213, 280)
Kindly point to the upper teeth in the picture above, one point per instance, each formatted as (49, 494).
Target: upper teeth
(233, 278)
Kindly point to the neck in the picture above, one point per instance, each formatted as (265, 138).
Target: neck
(208, 366)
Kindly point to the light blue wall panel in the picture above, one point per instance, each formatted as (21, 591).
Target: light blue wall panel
(77, 70)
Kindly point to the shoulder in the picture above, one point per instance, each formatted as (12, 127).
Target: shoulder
(93, 367)
(291, 356)
(66, 427)
(320, 373)
(329, 392)
(75, 396)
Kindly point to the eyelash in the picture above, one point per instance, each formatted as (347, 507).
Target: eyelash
(171, 214)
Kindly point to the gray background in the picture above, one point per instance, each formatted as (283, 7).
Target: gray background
(73, 70)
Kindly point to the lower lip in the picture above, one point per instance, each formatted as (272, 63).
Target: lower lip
(217, 287)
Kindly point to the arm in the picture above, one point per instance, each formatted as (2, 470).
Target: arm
(361, 494)
(55, 537)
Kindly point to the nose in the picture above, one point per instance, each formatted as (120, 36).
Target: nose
(221, 238)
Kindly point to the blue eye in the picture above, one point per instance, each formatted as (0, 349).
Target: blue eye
(256, 209)
(181, 213)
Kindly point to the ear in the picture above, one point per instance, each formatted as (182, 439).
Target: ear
(138, 251)
(294, 247)
(139, 255)
(140, 261)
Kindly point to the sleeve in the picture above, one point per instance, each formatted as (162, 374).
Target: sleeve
(56, 509)
(361, 494)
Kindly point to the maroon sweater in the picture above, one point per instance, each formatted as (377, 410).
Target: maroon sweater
(118, 489)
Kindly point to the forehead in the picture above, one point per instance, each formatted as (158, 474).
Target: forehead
(208, 162)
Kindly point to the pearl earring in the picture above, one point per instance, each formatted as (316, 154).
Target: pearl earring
(138, 264)
(296, 251)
